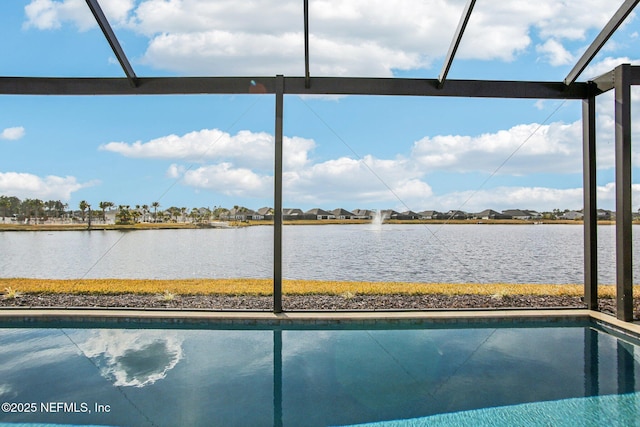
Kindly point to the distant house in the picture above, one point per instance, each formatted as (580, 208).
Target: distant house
(453, 214)
(490, 214)
(289, 214)
(431, 215)
(110, 216)
(533, 214)
(408, 215)
(389, 214)
(518, 214)
(363, 214)
(319, 214)
(340, 213)
(572, 215)
(603, 214)
(242, 214)
(266, 213)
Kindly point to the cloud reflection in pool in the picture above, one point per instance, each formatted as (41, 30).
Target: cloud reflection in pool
(133, 358)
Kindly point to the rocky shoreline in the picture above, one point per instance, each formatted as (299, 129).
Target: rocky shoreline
(307, 302)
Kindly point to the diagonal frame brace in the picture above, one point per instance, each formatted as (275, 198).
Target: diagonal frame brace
(457, 38)
(113, 41)
(616, 20)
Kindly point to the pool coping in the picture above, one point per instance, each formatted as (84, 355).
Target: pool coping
(248, 318)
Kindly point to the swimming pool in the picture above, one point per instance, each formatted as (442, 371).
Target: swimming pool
(378, 375)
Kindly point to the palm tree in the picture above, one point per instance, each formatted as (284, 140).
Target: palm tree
(104, 206)
(124, 215)
(195, 215)
(50, 205)
(145, 211)
(83, 205)
(155, 206)
(5, 204)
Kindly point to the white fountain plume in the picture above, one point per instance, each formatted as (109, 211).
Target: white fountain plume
(378, 219)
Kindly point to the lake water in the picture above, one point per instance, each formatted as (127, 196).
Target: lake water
(416, 253)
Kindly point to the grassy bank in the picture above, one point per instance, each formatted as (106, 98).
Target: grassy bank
(291, 287)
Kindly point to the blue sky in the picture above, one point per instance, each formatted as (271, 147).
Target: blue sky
(352, 152)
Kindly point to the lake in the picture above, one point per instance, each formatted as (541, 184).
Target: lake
(360, 252)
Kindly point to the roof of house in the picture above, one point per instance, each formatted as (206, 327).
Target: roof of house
(516, 212)
(363, 212)
(292, 211)
(489, 212)
(265, 211)
(341, 212)
(317, 211)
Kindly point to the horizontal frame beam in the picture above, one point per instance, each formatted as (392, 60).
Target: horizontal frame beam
(293, 86)
(606, 81)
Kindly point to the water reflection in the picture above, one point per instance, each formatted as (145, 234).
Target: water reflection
(291, 377)
(133, 358)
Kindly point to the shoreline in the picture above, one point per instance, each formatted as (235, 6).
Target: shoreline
(389, 302)
(256, 295)
(238, 224)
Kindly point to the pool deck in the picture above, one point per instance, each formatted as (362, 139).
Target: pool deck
(131, 317)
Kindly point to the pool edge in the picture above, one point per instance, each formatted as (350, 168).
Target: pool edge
(171, 316)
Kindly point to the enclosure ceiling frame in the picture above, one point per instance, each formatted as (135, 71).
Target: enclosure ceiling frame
(455, 43)
(616, 20)
(619, 79)
(307, 73)
(293, 86)
(96, 10)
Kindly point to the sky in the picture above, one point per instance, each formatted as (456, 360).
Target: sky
(354, 152)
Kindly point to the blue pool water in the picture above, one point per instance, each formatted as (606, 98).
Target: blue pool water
(523, 374)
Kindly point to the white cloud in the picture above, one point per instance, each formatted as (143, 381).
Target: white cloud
(538, 198)
(13, 133)
(241, 165)
(229, 180)
(539, 104)
(535, 148)
(554, 53)
(369, 180)
(246, 148)
(358, 37)
(51, 14)
(25, 185)
(572, 20)
(501, 198)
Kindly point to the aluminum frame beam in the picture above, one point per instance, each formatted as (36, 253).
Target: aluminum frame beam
(457, 37)
(293, 86)
(590, 202)
(616, 20)
(307, 75)
(624, 241)
(113, 41)
(277, 198)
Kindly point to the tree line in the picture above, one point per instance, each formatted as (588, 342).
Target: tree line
(36, 210)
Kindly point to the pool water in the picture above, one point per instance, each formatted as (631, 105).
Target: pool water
(518, 374)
